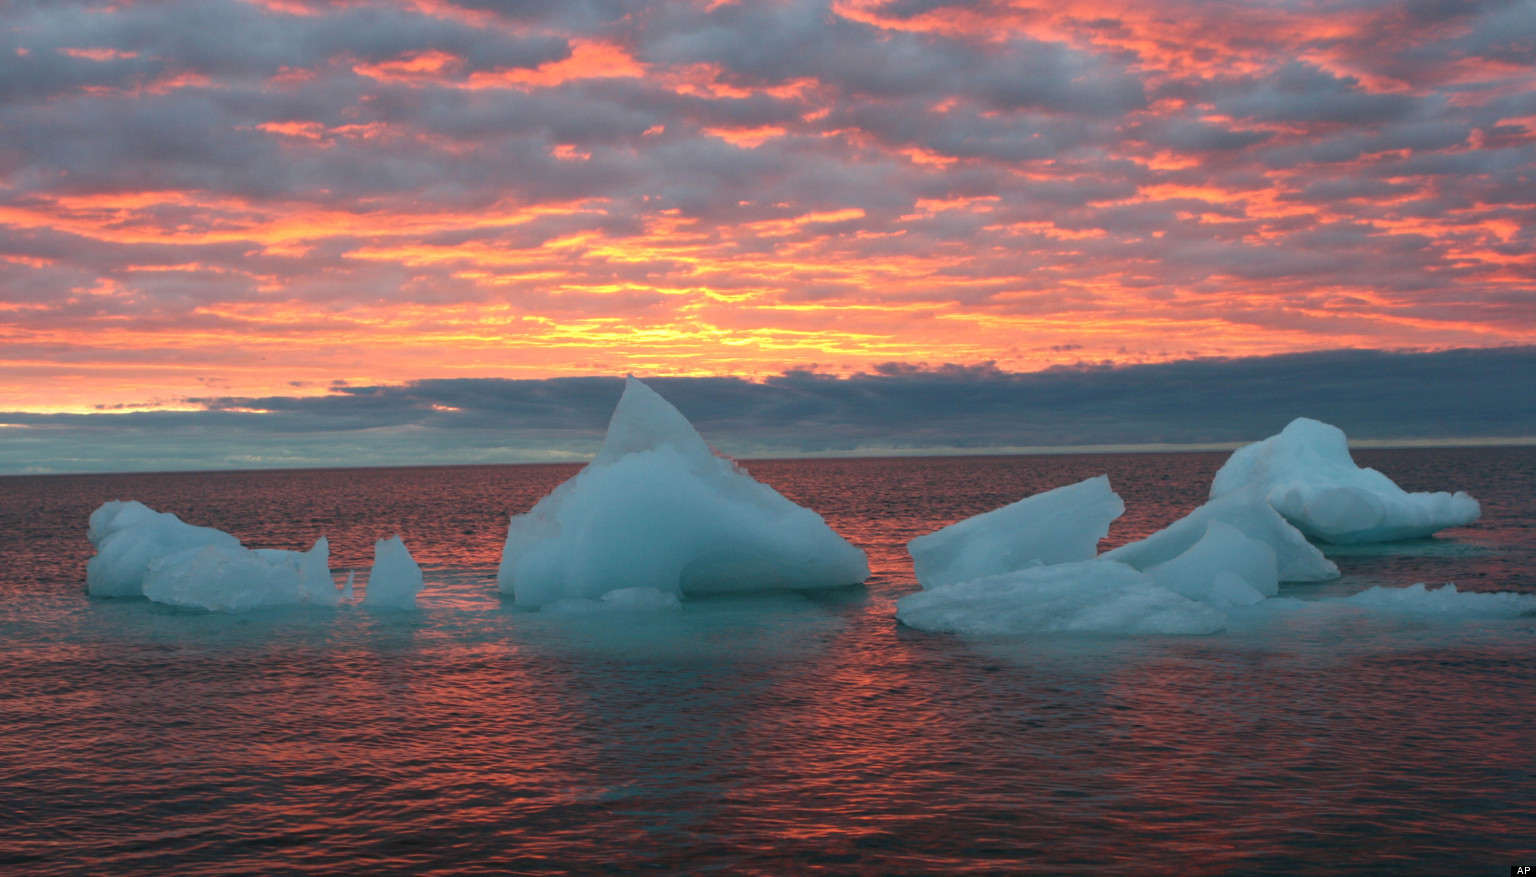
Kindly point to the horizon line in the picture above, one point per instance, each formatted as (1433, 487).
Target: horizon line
(566, 459)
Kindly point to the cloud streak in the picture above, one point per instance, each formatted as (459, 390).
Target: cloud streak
(242, 194)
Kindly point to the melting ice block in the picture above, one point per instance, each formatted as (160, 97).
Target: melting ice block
(129, 535)
(395, 580)
(223, 578)
(142, 552)
(1057, 526)
(1085, 597)
(1225, 568)
(658, 508)
(1307, 475)
(1296, 559)
(627, 601)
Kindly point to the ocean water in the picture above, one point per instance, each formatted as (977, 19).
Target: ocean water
(759, 734)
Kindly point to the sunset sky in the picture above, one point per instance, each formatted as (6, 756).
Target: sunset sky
(213, 200)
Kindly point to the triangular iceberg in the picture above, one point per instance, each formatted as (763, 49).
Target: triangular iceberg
(658, 508)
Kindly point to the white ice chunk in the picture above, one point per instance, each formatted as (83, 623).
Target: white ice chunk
(129, 535)
(1307, 475)
(1085, 597)
(1225, 568)
(1296, 559)
(395, 580)
(1444, 602)
(114, 516)
(658, 508)
(1057, 526)
(223, 578)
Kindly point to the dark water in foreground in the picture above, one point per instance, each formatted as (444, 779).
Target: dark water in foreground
(782, 734)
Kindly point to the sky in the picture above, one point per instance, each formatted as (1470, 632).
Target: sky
(291, 201)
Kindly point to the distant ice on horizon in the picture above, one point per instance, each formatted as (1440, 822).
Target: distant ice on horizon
(659, 509)
(1307, 475)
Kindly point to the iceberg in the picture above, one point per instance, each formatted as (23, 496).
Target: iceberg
(1225, 568)
(222, 578)
(1308, 476)
(142, 552)
(1058, 526)
(1296, 559)
(395, 580)
(1444, 602)
(659, 508)
(1082, 597)
(129, 536)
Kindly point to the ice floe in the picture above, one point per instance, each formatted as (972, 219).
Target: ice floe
(128, 536)
(1058, 526)
(1443, 602)
(1082, 597)
(222, 578)
(623, 600)
(1296, 559)
(142, 552)
(1225, 568)
(1306, 473)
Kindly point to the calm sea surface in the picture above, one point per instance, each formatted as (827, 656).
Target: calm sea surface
(775, 734)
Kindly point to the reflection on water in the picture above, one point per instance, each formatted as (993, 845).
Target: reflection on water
(766, 734)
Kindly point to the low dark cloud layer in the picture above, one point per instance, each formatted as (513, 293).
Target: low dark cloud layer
(1459, 394)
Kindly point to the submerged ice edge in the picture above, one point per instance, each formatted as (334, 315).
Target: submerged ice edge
(1035, 603)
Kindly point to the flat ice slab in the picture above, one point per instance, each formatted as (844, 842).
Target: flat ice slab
(1058, 526)
(1085, 597)
(1444, 602)
(658, 508)
(1307, 475)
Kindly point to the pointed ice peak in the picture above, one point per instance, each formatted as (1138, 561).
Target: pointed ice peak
(659, 512)
(395, 579)
(643, 421)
